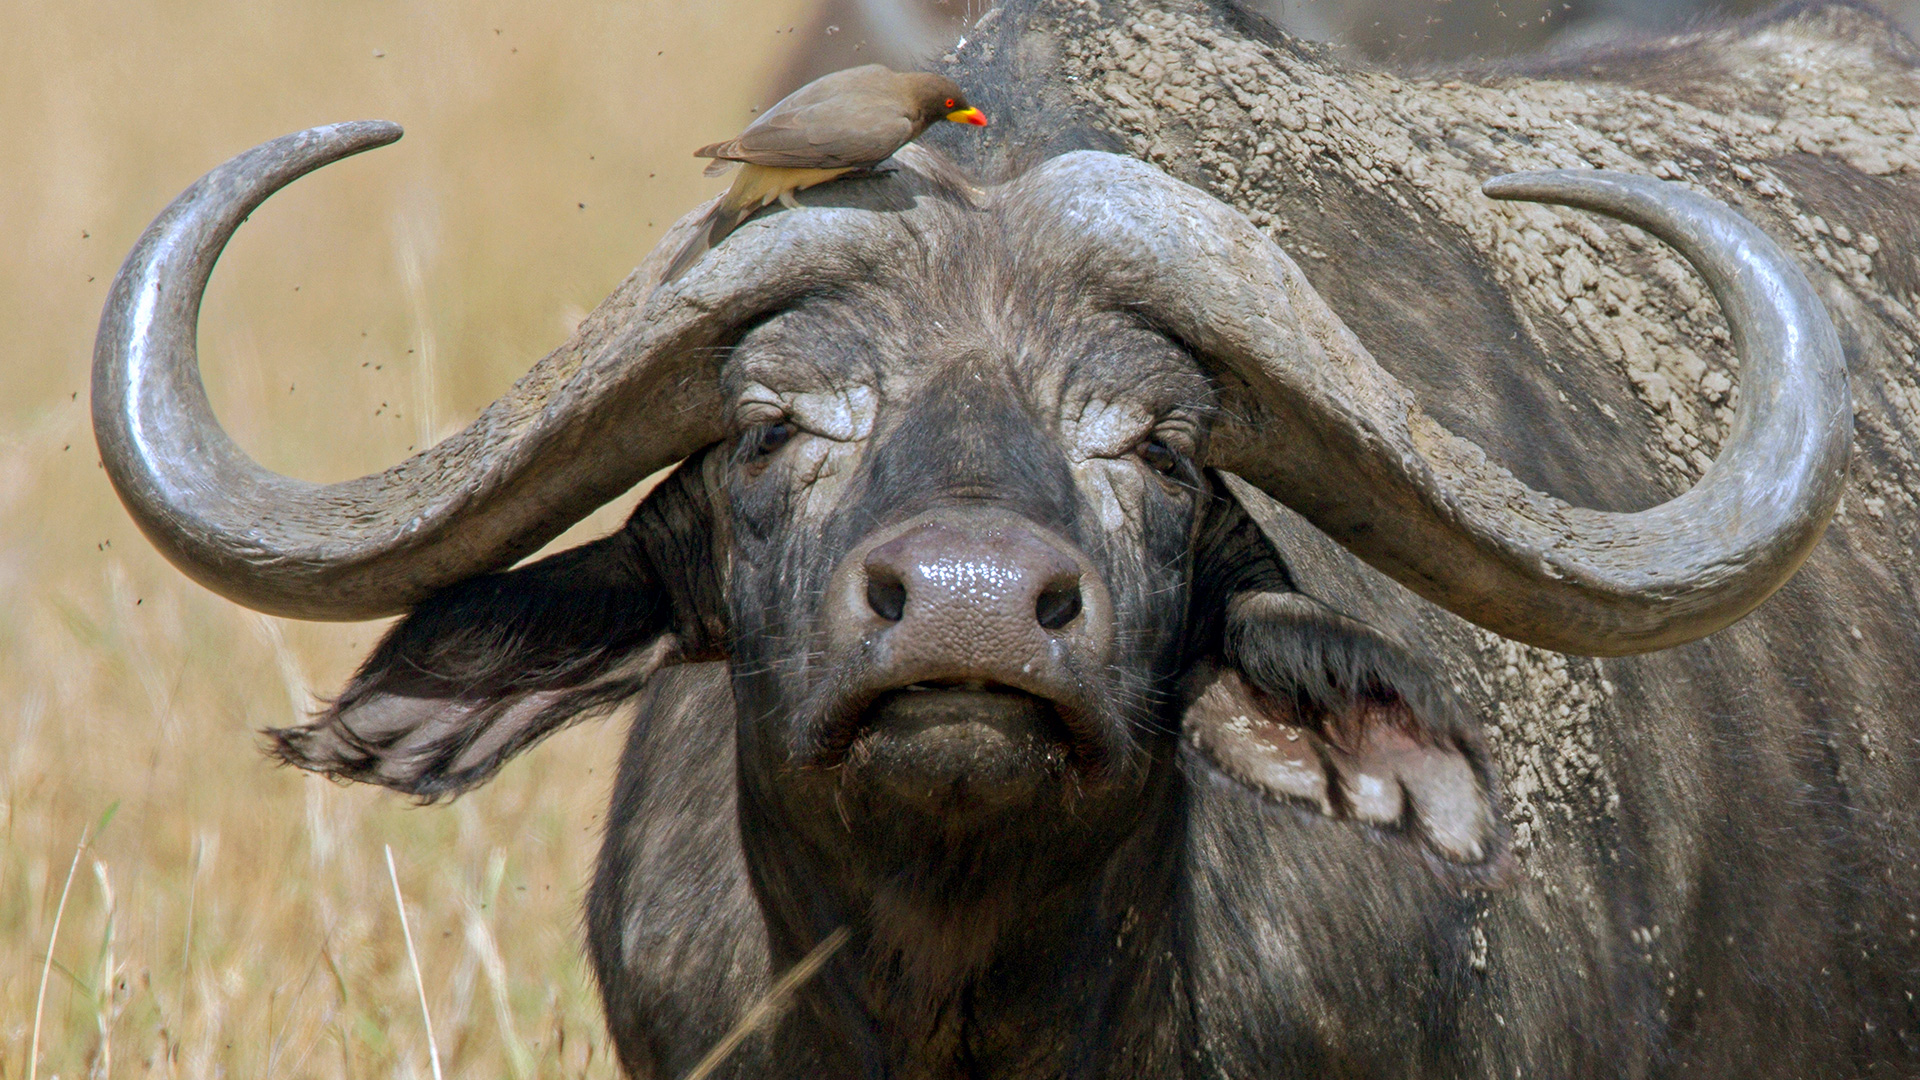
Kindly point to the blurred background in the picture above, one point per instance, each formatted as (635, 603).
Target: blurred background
(227, 917)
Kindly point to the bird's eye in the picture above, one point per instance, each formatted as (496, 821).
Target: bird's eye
(949, 103)
(1159, 457)
(771, 437)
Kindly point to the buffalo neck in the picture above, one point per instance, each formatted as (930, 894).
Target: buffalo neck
(1030, 972)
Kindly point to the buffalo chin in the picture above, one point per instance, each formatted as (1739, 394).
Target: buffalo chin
(960, 749)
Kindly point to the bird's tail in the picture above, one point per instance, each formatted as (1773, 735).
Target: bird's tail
(721, 220)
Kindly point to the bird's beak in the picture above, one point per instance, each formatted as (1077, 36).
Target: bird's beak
(968, 116)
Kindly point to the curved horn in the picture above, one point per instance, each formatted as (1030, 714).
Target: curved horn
(634, 390)
(1330, 433)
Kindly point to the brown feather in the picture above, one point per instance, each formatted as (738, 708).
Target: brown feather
(852, 119)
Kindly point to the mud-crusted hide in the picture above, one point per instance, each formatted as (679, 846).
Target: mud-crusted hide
(1709, 840)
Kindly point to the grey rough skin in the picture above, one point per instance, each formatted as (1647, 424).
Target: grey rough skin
(1167, 856)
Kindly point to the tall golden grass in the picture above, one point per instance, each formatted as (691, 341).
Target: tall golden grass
(229, 917)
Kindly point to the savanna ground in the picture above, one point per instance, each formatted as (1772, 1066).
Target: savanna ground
(225, 916)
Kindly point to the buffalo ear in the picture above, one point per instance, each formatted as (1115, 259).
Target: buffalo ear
(1307, 706)
(488, 667)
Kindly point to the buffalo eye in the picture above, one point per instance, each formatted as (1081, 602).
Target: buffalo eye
(1159, 457)
(769, 438)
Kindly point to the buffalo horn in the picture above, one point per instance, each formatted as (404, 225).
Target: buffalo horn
(634, 390)
(1313, 420)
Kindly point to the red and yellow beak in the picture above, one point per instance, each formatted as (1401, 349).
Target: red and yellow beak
(968, 116)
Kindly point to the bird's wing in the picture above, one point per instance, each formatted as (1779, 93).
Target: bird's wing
(829, 135)
(849, 119)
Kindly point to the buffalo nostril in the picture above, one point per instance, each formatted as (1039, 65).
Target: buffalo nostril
(1058, 605)
(886, 595)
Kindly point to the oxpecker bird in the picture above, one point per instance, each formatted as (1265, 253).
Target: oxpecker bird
(834, 125)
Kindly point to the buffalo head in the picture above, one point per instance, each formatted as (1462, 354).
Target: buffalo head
(956, 505)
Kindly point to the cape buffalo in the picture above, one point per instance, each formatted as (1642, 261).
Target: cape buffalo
(969, 622)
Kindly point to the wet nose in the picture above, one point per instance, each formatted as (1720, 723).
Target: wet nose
(971, 593)
(1002, 576)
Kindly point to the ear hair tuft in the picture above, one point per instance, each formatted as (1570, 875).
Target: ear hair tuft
(1334, 668)
(1309, 706)
(486, 668)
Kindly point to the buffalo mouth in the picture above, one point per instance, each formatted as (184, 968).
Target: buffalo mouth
(952, 744)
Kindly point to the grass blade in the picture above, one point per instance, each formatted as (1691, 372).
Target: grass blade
(770, 1006)
(433, 1048)
(40, 1001)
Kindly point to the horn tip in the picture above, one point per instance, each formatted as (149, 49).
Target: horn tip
(1518, 185)
(1575, 187)
(369, 133)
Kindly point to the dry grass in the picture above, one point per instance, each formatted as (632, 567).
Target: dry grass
(228, 917)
